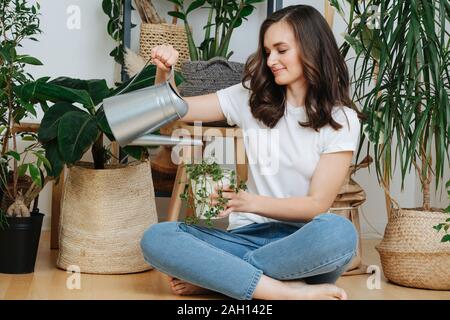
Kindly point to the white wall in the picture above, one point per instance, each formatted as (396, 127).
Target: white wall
(84, 53)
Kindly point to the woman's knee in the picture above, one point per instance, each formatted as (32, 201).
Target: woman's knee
(156, 237)
(339, 230)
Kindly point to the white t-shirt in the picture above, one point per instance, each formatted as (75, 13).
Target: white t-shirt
(282, 160)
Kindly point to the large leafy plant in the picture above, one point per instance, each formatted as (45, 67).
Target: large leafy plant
(19, 21)
(224, 16)
(401, 79)
(67, 130)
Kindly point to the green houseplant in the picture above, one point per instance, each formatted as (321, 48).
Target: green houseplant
(23, 173)
(401, 79)
(202, 179)
(106, 207)
(223, 18)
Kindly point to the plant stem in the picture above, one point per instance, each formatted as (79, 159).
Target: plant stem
(225, 41)
(208, 33)
(426, 171)
(98, 154)
(34, 191)
(15, 173)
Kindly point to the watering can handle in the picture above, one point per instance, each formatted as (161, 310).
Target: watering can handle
(137, 75)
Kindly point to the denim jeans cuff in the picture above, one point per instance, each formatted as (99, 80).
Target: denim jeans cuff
(255, 279)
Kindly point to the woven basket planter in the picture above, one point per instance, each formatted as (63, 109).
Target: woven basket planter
(203, 77)
(103, 216)
(412, 253)
(153, 35)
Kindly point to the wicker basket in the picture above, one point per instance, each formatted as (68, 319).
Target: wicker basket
(411, 251)
(153, 35)
(103, 216)
(203, 77)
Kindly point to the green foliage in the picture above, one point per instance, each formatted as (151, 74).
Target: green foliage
(19, 21)
(223, 17)
(113, 9)
(401, 79)
(198, 176)
(445, 225)
(67, 131)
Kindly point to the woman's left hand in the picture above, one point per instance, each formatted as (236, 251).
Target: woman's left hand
(241, 201)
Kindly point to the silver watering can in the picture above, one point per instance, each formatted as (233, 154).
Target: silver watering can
(134, 115)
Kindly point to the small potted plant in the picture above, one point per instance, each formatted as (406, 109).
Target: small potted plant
(203, 179)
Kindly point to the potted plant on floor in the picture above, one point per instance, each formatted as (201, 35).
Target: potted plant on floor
(403, 47)
(23, 173)
(105, 207)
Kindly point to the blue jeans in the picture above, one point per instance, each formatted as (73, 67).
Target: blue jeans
(232, 262)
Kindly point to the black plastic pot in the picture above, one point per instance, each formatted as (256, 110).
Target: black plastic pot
(19, 244)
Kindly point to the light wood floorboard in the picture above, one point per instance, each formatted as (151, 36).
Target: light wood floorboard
(49, 282)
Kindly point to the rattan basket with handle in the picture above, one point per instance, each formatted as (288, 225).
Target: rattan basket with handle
(154, 34)
(103, 216)
(411, 251)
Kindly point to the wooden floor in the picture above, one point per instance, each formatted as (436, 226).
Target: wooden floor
(48, 282)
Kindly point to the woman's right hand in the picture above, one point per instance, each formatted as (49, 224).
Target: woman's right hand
(164, 57)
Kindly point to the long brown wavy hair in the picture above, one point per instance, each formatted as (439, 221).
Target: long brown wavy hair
(324, 69)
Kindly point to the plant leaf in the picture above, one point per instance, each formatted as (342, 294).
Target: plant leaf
(49, 125)
(29, 60)
(54, 157)
(13, 154)
(22, 169)
(77, 131)
(35, 174)
(194, 5)
(177, 14)
(42, 91)
(96, 88)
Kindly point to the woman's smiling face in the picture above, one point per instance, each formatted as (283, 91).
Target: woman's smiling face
(283, 54)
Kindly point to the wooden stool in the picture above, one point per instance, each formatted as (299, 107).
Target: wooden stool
(240, 158)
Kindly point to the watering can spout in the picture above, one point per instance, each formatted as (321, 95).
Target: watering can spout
(132, 116)
(156, 140)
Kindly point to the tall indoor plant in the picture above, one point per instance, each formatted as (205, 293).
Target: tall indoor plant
(23, 173)
(401, 79)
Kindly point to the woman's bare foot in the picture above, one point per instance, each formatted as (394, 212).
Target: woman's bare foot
(181, 287)
(302, 290)
(272, 289)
